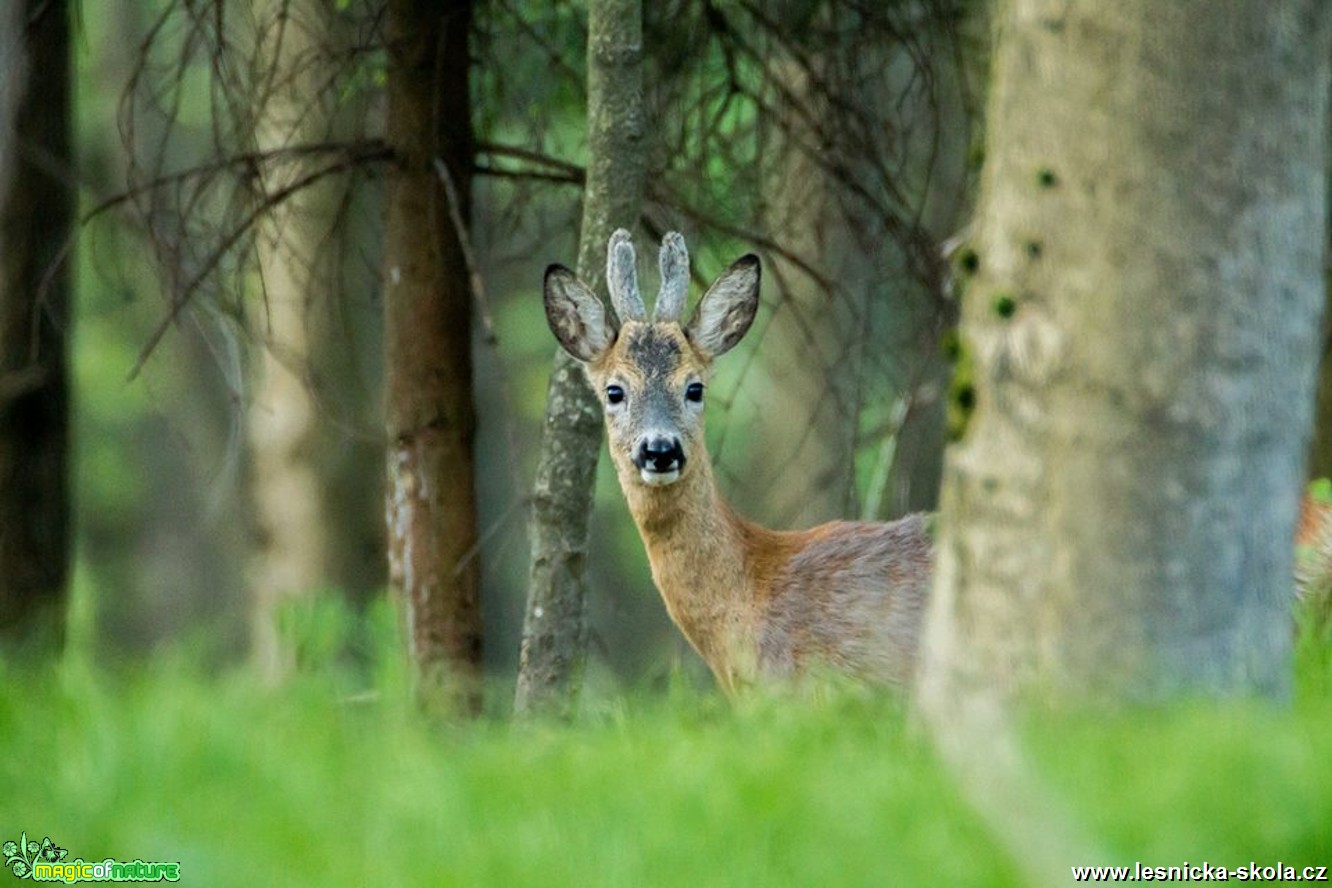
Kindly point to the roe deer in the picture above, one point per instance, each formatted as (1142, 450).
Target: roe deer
(756, 604)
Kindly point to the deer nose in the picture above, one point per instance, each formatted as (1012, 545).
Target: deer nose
(659, 454)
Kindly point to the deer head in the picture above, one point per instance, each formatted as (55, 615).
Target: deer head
(651, 374)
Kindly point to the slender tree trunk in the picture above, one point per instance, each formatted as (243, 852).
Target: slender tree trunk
(1139, 340)
(314, 482)
(431, 499)
(553, 630)
(36, 208)
(290, 557)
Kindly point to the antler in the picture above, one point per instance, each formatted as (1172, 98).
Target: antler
(674, 264)
(622, 278)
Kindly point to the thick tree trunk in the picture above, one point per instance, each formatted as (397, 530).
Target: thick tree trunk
(36, 209)
(1139, 337)
(431, 499)
(553, 630)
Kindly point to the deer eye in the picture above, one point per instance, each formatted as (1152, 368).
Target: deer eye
(614, 394)
(694, 392)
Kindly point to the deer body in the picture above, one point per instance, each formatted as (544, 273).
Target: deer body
(756, 604)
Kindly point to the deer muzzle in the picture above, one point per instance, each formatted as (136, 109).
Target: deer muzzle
(659, 459)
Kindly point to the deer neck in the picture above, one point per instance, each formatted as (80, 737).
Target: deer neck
(697, 547)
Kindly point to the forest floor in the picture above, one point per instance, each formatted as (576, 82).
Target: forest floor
(335, 779)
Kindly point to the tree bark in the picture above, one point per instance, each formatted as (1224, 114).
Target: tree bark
(553, 629)
(1138, 344)
(36, 210)
(292, 516)
(431, 501)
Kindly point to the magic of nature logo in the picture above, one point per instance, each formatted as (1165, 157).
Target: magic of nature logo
(45, 861)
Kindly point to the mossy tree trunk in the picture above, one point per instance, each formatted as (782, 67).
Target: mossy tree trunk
(553, 629)
(36, 211)
(431, 501)
(1139, 338)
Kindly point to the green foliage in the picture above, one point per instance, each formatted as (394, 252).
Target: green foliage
(1247, 782)
(238, 784)
(537, 96)
(1313, 652)
(347, 785)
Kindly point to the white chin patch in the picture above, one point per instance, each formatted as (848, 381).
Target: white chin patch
(659, 478)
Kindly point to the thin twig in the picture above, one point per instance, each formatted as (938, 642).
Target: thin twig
(759, 240)
(469, 258)
(366, 151)
(527, 154)
(528, 175)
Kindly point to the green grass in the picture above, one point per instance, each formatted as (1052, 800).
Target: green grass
(314, 784)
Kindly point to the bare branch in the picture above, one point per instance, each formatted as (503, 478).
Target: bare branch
(469, 257)
(182, 298)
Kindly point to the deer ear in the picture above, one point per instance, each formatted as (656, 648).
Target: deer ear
(725, 312)
(575, 314)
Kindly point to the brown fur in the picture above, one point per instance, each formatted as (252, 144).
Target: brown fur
(1313, 551)
(1315, 518)
(756, 604)
(760, 604)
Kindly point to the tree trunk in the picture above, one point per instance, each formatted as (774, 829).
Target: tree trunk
(292, 518)
(431, 501)
(36, 208)
(1138, 346)
(553, 630)
(314, 463)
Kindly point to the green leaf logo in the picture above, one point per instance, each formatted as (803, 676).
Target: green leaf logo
(21, 855)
